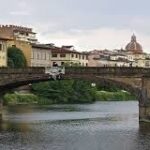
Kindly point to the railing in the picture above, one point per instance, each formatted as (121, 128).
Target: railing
(120, 71)
(29, 70)
(56, 71)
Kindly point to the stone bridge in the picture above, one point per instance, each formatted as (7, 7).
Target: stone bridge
(135, 80)
(12, 78)
(132, 79)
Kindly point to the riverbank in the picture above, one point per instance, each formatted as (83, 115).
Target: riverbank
(18, 98)
(67, 92)
(114, 96)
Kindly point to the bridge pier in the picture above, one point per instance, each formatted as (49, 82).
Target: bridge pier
(144, 114)
(144, 101)
(1, 108)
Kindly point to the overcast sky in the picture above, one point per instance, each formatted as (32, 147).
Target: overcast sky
(86, 24)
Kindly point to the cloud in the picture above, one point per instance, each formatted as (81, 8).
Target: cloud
(100, 38)
(21, 9)
(19, 13)
(22, 4)
(87, 24)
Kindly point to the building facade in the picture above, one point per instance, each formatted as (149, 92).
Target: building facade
(3, 52)
(46, 55)
(41, 55)
(64, 56)
(18, 33)
(20, 37)
(131, 56)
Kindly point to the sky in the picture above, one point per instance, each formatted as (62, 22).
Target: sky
(86, 24)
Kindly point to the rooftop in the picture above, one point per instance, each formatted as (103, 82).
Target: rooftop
(17, 28)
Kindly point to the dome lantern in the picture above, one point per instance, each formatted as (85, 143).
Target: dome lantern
(133, 38)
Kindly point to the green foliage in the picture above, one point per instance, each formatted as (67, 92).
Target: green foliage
(20, 99)
(75, 91)
(83, 92)
(108, 88)
(10, 63)
(114, 96)
(70, 91)
(16, 58)
(64, 92)
(44, 101)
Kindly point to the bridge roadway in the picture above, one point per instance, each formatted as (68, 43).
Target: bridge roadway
(133, 79)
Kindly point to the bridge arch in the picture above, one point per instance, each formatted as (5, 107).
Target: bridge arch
(99, 81)
(136, 91)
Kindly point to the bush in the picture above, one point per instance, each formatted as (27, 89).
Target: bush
(45, 101)
(114, 96)
(64, 92)
(20, 99)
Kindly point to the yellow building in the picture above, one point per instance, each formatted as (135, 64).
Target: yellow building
(20, 37)
(18, 33)
(3, 52)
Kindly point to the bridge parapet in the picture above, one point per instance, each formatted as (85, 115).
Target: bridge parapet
(107, 71)
(29, 70)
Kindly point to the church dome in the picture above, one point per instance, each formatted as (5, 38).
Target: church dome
(134, 46)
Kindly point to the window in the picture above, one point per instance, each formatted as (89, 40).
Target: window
(72, 55)
(62, 63)
(62, 55)
(4, 48)
(21, 33)
(45, 55)
(54, 55)
(147, 64)
(55, 64)
(0, 47)
(76, 56)
(13, 45)
(38, 56)
(32, 55)
(86, 57)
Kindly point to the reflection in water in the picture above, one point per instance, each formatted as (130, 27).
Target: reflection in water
(144, 128)
(99, 126)
(15, 127)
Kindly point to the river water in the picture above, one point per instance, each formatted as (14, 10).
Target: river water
(99, 126)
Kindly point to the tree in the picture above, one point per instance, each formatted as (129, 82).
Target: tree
(16, 58)
(65, 91)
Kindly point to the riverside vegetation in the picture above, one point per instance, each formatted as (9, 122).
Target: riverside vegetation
(67, 92)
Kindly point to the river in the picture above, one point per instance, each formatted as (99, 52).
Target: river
(98, 126)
